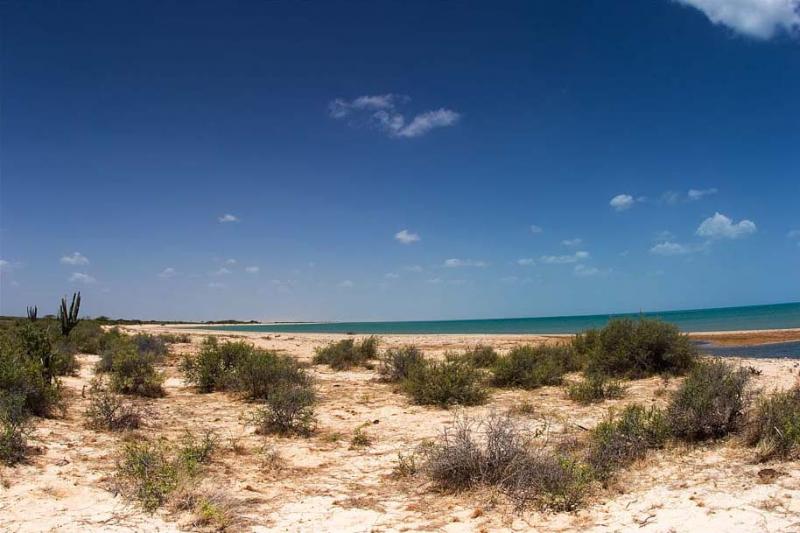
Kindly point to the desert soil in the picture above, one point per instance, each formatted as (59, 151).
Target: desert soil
(322, 484)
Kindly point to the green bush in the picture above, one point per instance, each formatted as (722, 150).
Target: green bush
(774, 425)
(288, 410)
(150, 472)
(595, 388)
(13, 428)
(481, 356)
(109, 411)
(151, 344)
(134, 373)
(710, 402)
(635, 348)
(529, 366)
(449, 381)
(396, 363)
(214, 367)
(24, 376)
(258, 372)
(347, 353)
(620, 440)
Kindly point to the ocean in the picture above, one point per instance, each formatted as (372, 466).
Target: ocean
(750, 317)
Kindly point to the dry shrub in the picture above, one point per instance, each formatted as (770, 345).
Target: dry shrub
(109, 411)
(710, 402)
(288, 410)
(508, 458)
(774, 425)
(620, 440)
(595, 388)
(396, 363)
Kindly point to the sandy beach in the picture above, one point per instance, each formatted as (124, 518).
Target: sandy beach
(322, 484)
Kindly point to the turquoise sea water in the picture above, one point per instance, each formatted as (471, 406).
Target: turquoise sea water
(775, 316)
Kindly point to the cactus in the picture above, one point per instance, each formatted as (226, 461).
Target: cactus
(69, 318)
(33, 313)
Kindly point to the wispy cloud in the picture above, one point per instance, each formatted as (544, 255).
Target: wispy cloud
(413, 268)
(760, 19)
(564, 259)
(252, 270)
(586, 271)
(216, 285)
(670, 248)
(793, 234)
(526, 261)
(80, 277)
(721, 227)
(391, 275)
(227, 217)
(75, 258)
(699, 194)
(167, 273)
(535, 229)
(346, 284)
(381, 111)
(621, 202)
(222, 271)
(459, 263)
(572, 243)
(406, 237)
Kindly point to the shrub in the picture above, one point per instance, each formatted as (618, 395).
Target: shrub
(710, 401)
(175, 338)
(108, 411)
(620, 440)
(396, 363)
(87, 337)
(360, 437)
(151, 344)
(147, 474)
(259, 372)
(25, 376)
(289, 410)
(507, 458)
(13, 428)
(774, 425)
(594, 388)
(481, 356)
(636, 348)
(530, 366)
(150, 472)
(347, 353)
(133, 373)
(213, 368)
(446, 382)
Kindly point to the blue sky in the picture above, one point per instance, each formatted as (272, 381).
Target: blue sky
(399, 160)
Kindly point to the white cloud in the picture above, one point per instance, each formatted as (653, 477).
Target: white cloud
(391, 275)
(699, 194)
(252, 269)
(413, 268)
(221, 272)
(406, 237)
(80, 277)
(346, 284)
(230, 261)
(381, 111)
(572, 242)
(564, 259)
(458, 263)
(760, 19)
(536, 229)
(4, 264)
(75, 259)
(794, 234)
(670, 248)
(584, 271)
(719, 226)
(621, 202)
(216, 285)
(526, 261)
(168, 272)
(227, 217)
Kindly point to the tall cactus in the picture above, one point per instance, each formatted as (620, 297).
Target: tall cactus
(69, 318)
(33, 313)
